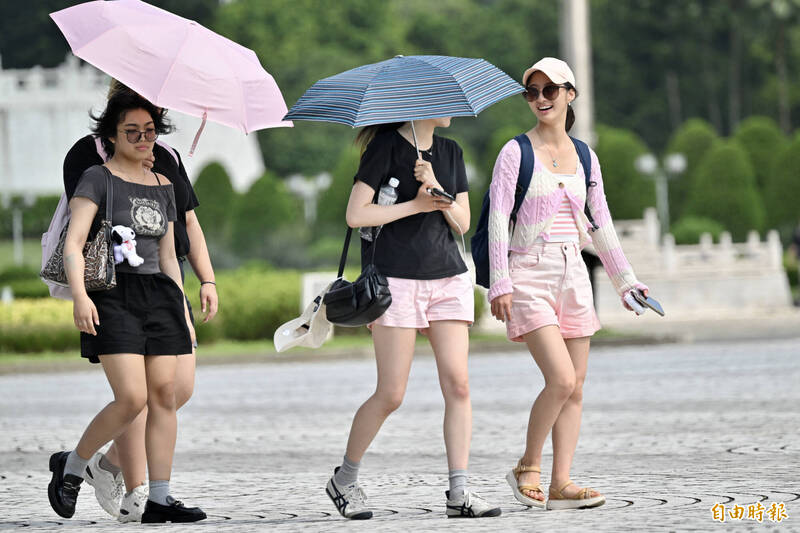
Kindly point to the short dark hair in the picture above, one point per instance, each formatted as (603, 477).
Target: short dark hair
(105, 124)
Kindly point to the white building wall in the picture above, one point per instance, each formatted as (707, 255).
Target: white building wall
(44, 111)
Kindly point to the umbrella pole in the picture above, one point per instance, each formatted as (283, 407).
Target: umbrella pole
(414, 134)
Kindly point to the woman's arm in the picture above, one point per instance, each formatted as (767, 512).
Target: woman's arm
(605, 240)
(361, 212)
(169, 266)
(201, 264)
(84, 311)
(459, 216)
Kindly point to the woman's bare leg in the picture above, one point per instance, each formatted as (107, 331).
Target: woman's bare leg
(450, 342)
(394, 351)
(568, 424)
(126, 375)
(162, 424)
(553, 359)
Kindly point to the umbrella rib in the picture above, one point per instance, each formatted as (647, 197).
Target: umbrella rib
(172, 66)
(364, 92)
(463, 92)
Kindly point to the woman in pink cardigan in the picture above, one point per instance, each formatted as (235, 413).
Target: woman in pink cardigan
(539, 285)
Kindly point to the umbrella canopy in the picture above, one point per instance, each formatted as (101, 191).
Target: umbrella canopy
(174, 62)
(405, 89)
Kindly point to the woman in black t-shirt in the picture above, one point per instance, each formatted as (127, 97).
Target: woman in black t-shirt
(431, 292)
(137, 328)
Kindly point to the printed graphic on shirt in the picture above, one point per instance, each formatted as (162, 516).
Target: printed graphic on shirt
(146, 216)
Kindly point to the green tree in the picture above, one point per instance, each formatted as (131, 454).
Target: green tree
(762, 140)
(628, 192)
(217, 197)
(693, 139)
(301, 42)
(782, 188)
(265, 209)
(724, 190)
(332, 203)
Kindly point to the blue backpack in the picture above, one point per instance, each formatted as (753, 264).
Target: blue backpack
(479, 243)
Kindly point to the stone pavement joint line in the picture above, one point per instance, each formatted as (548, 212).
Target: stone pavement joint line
(668, 432)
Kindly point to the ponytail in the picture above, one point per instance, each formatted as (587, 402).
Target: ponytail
(570, 117)
(570, 111)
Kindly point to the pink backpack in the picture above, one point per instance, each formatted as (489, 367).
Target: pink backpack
(61, 218)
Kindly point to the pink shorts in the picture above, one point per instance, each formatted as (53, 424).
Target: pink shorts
(418, 302)
(551, 287)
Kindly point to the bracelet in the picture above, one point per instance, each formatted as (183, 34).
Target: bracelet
(208, 282)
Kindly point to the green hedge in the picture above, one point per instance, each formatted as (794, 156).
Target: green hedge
(35, 325)
(254, 301)
(688, 229)
(24, 282)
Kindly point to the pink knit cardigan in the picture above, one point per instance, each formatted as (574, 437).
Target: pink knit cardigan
(536, 215)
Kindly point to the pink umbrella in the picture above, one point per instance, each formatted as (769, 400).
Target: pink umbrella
(175, 63)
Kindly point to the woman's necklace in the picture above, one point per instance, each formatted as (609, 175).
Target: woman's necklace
(553, 159)
(141, 180)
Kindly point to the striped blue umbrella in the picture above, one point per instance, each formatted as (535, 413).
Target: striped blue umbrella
(405, 89)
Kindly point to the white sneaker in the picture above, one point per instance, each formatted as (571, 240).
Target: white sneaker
(108, 488)
(470, 505)
(351, 501)
(132, 505)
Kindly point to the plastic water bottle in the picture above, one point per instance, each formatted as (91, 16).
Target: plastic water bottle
(386, 196)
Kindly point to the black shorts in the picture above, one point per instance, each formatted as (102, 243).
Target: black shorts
(143, 314)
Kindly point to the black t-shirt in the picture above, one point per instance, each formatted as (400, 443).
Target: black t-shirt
(420, 246)
(83, 155)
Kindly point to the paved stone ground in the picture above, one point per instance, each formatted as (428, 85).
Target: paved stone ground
(668, 431)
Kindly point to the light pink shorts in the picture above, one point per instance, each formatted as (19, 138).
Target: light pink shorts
(551, 287)
(418, 302)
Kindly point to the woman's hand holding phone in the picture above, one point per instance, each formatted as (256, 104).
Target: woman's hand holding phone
(427, 202)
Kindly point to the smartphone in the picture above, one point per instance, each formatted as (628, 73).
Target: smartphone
(441, 194)
(647, 301)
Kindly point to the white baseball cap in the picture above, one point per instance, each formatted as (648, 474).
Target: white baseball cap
(555, 69)
(310, 329)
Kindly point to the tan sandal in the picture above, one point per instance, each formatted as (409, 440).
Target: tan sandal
(513, 480)
(582, 499)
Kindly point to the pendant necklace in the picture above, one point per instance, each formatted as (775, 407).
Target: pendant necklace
(553, 159)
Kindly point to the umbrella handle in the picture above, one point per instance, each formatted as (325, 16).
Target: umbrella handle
(414, 134)
(197, 135)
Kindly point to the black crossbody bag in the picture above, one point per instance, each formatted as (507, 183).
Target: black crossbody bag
(362, 301)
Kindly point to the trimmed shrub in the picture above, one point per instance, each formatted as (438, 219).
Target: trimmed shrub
(254, 301)
(724, 190)
(628, 191)
(35, 325)
(688, 229)
(790, 264)
(217, 198)
(24, 282)
(694, 139)
(266, 207)
(332, 203)
(782, 188)
(761, 139)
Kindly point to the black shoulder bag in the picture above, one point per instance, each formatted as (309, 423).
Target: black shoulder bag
(362, 301)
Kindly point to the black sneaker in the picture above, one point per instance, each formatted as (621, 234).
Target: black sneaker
(63, 489)
(174, 511)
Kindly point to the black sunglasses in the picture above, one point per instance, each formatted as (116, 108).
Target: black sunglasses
(550, 92)
(133, 136)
